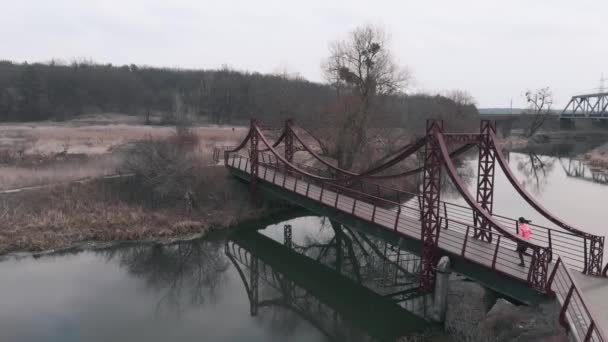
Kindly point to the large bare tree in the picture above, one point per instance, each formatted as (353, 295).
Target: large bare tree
(363, 70)
(539, 105)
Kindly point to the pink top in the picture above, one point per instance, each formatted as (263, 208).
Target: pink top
(524, 231)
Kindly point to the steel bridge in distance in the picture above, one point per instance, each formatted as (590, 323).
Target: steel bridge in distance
(587, 106)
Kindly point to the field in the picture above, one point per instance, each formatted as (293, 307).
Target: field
(62, 200)
(49, 153)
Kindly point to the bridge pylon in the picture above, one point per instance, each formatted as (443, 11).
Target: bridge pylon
(431, 192)
(288, 141)
(254, 153)
(486, 166)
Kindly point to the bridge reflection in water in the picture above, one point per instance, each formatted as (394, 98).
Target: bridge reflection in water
(350, 285)
(577, 168)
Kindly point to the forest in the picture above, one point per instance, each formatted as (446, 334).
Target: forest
(61, 91)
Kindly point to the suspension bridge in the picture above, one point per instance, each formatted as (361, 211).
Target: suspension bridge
(480, 243)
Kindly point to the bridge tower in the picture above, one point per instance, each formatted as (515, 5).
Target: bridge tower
(485, 178)
(431, 191)
(288, 140)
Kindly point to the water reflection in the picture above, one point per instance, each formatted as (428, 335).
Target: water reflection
(577, 168)
(312, 280)
(535, 169)
(333, 282)
(365, 259)
(184, 272)
(541, 158)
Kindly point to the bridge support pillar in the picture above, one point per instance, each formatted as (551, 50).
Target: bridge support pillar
(566, 123)
(539, 268)
(254, 283)
(485, 179)
(431, 190)
(440, 299)
(253, 157)
(287, 236)
(596, 255)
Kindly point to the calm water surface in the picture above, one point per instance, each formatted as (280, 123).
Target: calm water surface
(202, 290)
(563, 185)
(308, 289)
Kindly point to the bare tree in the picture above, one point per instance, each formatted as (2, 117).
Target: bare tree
(165, 170)
(461, 97)
(539, 105)
(363, 70)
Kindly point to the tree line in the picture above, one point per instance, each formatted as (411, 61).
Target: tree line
(61, 91)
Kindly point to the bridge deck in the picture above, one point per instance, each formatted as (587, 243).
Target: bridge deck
(595, 292)
(456, 241)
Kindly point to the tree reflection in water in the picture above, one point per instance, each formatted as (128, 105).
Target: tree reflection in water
(466, 170)
(535, 169)
(185, 271)
(363, 258)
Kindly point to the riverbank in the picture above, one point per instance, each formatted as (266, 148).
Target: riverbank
(109, 210)
(70, 184)
(597, 158)
(475, 313)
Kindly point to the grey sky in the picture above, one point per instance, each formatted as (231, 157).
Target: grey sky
(493, 49)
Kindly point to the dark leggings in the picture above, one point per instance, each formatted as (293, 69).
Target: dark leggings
(521, 249)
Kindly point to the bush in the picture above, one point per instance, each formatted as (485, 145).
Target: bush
(165, 171)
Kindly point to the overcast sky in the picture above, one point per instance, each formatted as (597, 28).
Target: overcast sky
(493, 49)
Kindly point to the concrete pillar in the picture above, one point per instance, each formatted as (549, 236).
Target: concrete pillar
(440, 300)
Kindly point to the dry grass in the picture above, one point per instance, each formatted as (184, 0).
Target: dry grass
(29, 153)
(597, 158)
(103, 210)
(45, 140)
(13, 177)
(107, 211)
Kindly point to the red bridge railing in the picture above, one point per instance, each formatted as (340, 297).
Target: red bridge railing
(587, 254)
(401, 218)
(572, 247)
(218, 152)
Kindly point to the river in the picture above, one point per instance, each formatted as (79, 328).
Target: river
(308, 289)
